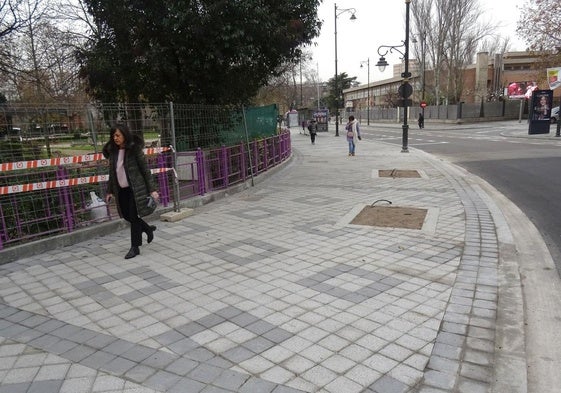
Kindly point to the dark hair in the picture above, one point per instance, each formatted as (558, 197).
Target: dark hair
(131, 140)
(124, 130)
(351, 118)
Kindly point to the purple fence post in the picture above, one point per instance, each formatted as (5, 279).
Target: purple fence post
(266, 154)
(255, 156)
(243, 162)
(225, 166)
(275, 154)
(4, 231)
(200, 159)
(163, 184)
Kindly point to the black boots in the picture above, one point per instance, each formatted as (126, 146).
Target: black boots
(134, 251)
(150, 233)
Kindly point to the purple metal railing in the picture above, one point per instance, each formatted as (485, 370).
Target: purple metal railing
(32, 215)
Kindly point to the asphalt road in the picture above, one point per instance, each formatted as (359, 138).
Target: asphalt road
(527, 170)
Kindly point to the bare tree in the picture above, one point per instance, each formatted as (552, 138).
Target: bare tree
(10, 23)
(539, 25)
(10, 17)
(453, 31)
(42, 60)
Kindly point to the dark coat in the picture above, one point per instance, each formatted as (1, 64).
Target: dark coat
(138, 174)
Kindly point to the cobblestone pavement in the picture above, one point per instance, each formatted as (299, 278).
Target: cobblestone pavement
(271, 290)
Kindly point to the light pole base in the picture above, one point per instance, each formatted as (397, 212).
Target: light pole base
(405, 137)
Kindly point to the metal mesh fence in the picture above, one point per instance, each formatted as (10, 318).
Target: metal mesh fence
(53, 177)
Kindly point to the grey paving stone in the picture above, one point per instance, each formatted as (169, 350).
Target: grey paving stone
(100, 341)
(51, 386)
(116, 347)
(254, 385)
(183, 346)
(66, 331)
(215, 389)
(191, 329)
(387, 384)
(34, 321)
(200, 354)
(6, 311)
(182, 366)
(185, 385)
(205, 373)
(159, 359)
(277, 335)
(286, 389)
(82, 336)
(243, 319)
(62, 346)
(140, 373)
(19, 316)
(238, 354)
(15, 387)
(258, 344)
(44, 341)
(229, 312)
(25, 335)
(230, 380)
(439, 380)
(170, 337)
(259, 327)
(162, 380)
(138, 353)
(119, 366)
(5, 324)
(98, 360)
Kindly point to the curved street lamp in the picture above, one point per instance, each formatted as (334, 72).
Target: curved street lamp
(367, 62)
(339, 11)
(405, 90)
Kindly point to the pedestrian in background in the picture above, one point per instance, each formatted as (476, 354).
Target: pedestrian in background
(313, 128)
(421, 120)
(132, 183)
(353, 134)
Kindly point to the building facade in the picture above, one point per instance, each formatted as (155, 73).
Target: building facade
(486, 80)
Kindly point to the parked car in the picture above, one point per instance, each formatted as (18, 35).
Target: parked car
(555, 114)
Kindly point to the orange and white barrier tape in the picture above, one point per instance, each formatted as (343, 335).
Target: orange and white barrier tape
(14, 166)
(45, 185)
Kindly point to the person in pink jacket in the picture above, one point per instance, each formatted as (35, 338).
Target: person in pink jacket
(353, 134)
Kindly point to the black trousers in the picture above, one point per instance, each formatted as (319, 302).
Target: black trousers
(130, 213)
(313, 137)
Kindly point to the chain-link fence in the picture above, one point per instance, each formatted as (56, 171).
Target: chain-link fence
(53, 176)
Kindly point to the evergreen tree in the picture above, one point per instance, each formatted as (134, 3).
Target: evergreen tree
(194, 51)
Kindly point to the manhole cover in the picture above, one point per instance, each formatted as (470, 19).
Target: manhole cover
(404, 173)
(391, 216)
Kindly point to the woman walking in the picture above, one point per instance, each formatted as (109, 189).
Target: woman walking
(131, 181)
(353, 134)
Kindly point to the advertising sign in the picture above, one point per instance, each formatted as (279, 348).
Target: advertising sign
(518, 90)
(322, 118)
(540, 112)
(554, 77)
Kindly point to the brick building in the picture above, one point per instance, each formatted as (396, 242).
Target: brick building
(486, 80)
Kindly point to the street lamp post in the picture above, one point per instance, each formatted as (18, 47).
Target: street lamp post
(339, 11)
(423, 65)
(405, 90)
(367, 90)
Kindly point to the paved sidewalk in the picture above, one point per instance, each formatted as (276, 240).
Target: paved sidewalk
(273, 290)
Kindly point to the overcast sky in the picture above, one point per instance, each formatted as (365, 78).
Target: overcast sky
(382, 22)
